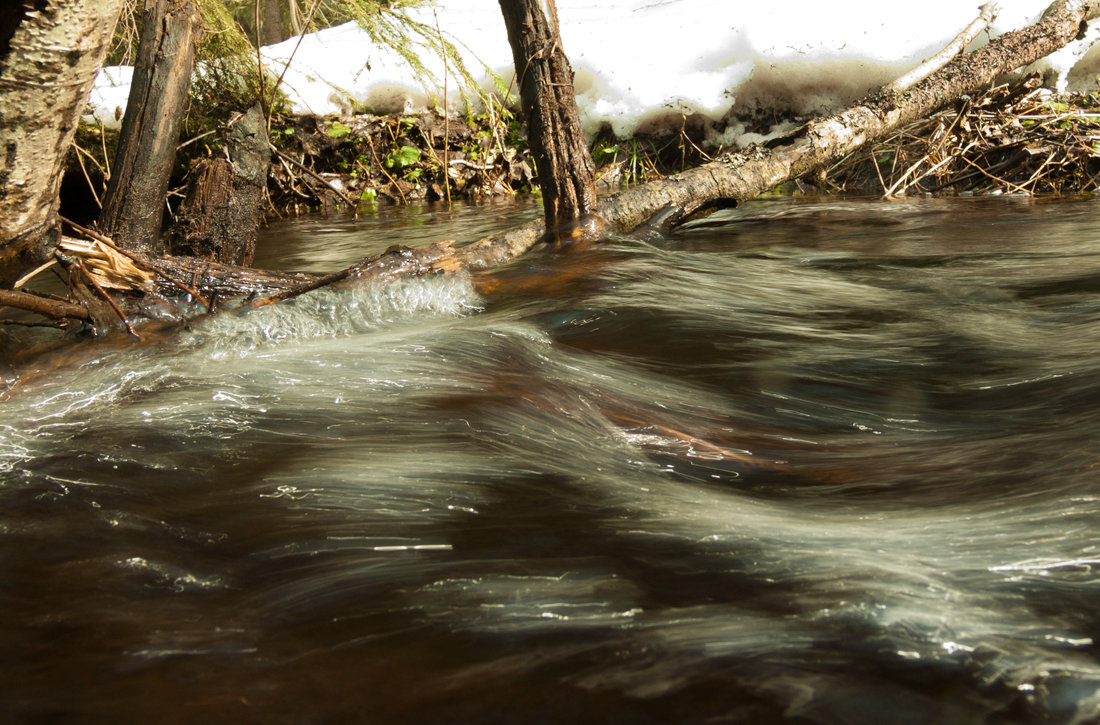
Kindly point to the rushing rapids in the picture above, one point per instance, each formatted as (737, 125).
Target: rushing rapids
(806, 461)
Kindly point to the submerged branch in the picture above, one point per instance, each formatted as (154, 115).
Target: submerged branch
(45, 306)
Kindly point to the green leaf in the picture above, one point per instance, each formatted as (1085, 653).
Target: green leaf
(402, 157)
(338, 130)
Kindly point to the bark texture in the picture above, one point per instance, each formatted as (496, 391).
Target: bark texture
(272, 22)
(53, 54)
(221, 214)
(133, 207)
(566, 174)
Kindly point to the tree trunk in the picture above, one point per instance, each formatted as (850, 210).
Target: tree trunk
(49, 58)
(566, 174)
(273, 22)
(219, 218)
(133, 207)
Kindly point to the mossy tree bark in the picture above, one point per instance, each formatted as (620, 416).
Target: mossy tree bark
(50, 52)
(566, 174)
(133, 207)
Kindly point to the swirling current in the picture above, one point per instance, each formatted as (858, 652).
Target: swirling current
(809, 461)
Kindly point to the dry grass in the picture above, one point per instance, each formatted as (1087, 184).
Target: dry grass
(1016, 138)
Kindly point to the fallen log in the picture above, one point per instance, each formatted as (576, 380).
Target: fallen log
(743, 175)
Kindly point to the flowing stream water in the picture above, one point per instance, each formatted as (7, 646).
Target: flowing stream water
(808, 461)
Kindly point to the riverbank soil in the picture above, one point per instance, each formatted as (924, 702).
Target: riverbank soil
(1016, 137)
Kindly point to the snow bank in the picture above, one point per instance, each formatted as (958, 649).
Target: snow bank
(644, 62)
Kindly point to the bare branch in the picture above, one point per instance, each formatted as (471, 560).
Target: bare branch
(949, 53)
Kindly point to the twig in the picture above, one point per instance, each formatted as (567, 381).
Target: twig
(998, 179)
(874, 158)
(21, 323)
(945, 56)
(103, 145)
(346, 197)
(373, 153)
(286, 67)
(446, 113)
(190, 141)
(84, 170)
(259, 59)
(948, 159)
(114, 306)
(33, 273)
(905, 175)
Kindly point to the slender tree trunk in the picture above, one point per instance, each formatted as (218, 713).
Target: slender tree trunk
(133, 207)
(566, 174)
(49, 57)
(273, 22)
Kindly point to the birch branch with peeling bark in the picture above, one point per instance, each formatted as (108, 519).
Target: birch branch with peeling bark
(949, 53)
